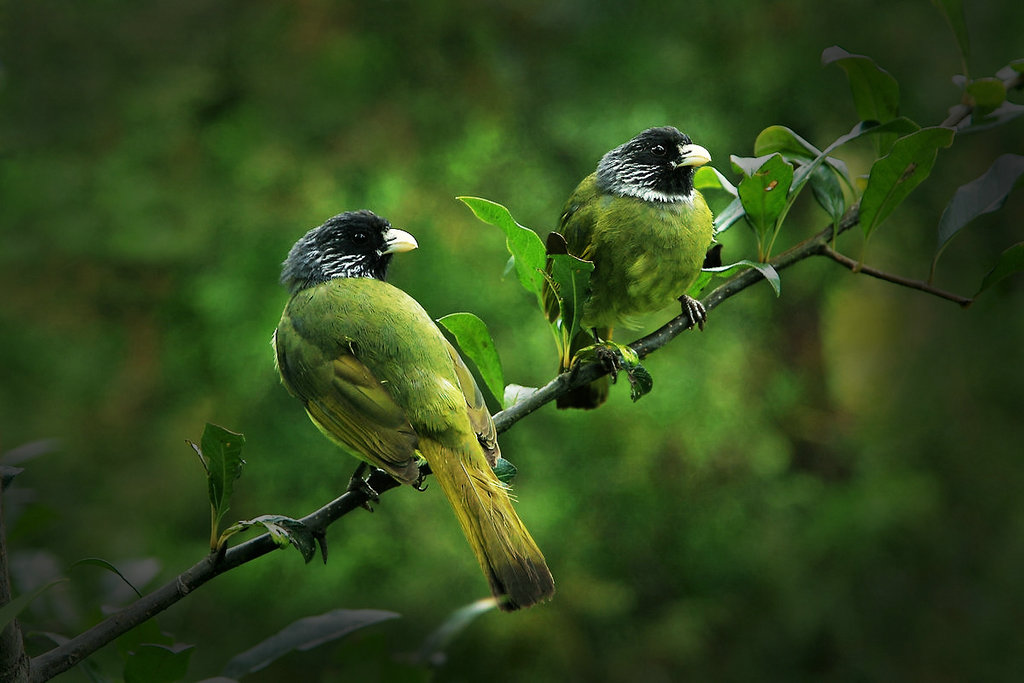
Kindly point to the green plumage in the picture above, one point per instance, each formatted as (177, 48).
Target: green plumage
(376, 375)
(640, 221)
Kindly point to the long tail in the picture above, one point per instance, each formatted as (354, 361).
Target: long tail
(511, 561)
(591, 395)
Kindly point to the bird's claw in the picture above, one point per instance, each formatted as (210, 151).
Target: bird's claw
(695, 309)
(358, 484)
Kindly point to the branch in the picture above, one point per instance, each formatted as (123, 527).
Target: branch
(62, 658)
(14, 662)
(895, 279)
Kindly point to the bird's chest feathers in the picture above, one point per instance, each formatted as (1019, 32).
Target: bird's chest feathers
(647, 253)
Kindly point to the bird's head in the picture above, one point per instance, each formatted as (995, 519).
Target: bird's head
(352, 244)
(656, 165)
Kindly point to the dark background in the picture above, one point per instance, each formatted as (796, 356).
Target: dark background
(824, 486)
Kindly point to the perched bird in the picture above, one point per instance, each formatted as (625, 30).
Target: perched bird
(376, 375)
(645, 227)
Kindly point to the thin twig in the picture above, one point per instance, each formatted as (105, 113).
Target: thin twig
(895, 279)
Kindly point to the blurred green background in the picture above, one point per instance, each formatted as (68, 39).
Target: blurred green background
(824, 486)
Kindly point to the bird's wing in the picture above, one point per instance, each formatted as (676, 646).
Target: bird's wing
(479, 416)
(349, 404)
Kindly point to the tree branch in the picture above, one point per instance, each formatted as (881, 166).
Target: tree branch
(921, 285)
(62, 658)
(14, 662)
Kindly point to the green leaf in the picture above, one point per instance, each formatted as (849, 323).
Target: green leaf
(153, 663)
(640, 382)
(876, 94)
(764, 193)
(1010, 261)
(794, 148)
(283, 530)
(710, 178)
(728, 216)
(1002, 114)
(221, 454)
(475, 342)
(894, 176)
(782, 140)
(505, 471)
(99, 562)
(569, 278)
(302, 635)
(986, 95)
(766, 269)
(953, 11)
(982, 195)
(828, 193)
(432, 650)
(12, 609)
(524, 244)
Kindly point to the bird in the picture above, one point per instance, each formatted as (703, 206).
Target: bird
(639, 219)
(376, 376)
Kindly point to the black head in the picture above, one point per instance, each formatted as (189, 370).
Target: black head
(656, 165)
(353, 244)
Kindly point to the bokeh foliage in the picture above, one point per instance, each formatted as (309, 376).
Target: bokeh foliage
(822, 485)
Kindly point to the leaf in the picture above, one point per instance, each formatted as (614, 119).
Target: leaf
(640, 382)
(505, 471)
(12, 609)
(514, 393)
(766, 269)
(153, 663)
(1010, 261)
(828, 193)
(982, 195)
(475, 342)
(710, 178)
(99, 562)
(784, 141)
(432, 650)
(953, 11)
(569, 278)
(1005, 112)
(894, 176)
(283, 530)
(876, 94)
(524, 244)
(728, 216)
(303, 635)
(221, 455)
(986, 95)
(764, 193)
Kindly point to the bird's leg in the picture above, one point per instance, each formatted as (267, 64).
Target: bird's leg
(695, 309)
(357, 484)
(420, 483)
(608, 357)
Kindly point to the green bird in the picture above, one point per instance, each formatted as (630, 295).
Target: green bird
(377, 377)
(646, 228)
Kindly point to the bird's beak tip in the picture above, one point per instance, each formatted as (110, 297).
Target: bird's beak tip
(398, 241)
(694, 155)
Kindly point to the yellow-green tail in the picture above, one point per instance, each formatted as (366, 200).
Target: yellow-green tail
(511, 561)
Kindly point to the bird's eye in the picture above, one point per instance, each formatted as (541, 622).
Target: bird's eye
(658, 150)
(360, 237)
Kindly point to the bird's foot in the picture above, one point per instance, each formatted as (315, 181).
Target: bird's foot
(610, 355)
(695, 309)
(358, 484)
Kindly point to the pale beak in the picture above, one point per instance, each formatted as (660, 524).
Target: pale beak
(396, 241)
(693, 155)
